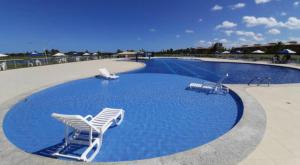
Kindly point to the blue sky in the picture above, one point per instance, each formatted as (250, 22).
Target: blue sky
(107, 25)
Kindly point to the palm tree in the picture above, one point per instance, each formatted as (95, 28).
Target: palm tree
(278, 47)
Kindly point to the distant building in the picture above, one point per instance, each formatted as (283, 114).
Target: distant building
(270, 48)
(272, 44)
(129, 54)
(292, 43)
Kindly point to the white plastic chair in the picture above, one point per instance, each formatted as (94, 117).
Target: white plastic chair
(3, 66)
(94, 126)
(30, 64)
(212, 87)
(38, 62)
(105, 74)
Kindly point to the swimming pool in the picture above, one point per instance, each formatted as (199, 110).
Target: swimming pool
(161, 118)
(213, 71)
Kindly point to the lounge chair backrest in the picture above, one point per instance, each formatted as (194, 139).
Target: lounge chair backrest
(104, 72)
(75, 121)
(107, 116)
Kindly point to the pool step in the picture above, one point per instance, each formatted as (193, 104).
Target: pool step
(260, 80)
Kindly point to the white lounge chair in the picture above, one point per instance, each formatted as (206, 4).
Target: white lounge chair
(95, 127)
(3, 66)
(38, 62)
(77, 59)
(30, 64)
(212, 87)
(105, 74)
(62, 60)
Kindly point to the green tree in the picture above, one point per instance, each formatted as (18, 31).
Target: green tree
(217, 47)
(278, 47)
(119, 51)
(53, 51)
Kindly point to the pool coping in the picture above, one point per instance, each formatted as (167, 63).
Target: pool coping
(230, 148)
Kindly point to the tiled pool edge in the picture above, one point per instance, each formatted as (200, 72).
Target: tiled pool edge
(231, 148)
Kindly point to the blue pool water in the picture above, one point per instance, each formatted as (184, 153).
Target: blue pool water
(213, 71)
(161, 117)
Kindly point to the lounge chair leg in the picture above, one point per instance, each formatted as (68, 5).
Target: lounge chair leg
(97, 143)
(91, 136)
(66, 135)
(119, 121)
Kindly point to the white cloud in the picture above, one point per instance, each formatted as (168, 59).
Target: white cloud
(177, 36)
(238, 6)
(226, 25)
(243, 39)
(274, 31)
(228, 32)
(203, 43)
(189, 31)
(291, 23)
(209, 43)
(254, 36)
(283, 13)
(262, 1)
(294, 39)
(217, 7)
(252, 21)
(223, 40)
(297, 3)
(152, 30)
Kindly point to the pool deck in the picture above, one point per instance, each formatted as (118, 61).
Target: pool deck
(268, 132)
(280, 144)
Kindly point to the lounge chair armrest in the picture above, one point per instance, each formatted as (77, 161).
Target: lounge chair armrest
(88, 117)
(209, 84)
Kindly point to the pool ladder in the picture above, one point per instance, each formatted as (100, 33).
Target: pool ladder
(260, 80)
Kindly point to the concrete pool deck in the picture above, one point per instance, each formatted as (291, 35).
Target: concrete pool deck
(280, 144)
(279, 104)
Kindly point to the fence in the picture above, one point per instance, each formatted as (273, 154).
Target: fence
(33, 62)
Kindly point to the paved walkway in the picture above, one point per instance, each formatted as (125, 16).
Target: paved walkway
(281, 144)
(19, 81)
